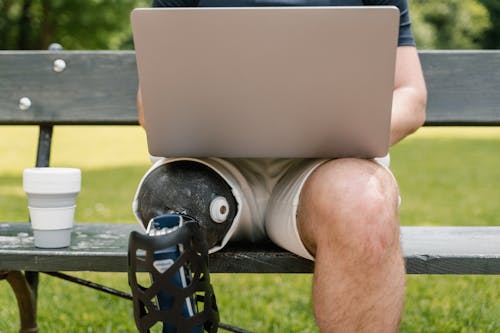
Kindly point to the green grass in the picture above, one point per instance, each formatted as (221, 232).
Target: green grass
(447, 176)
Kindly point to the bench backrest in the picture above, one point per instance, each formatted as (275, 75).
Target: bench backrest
(99, 87)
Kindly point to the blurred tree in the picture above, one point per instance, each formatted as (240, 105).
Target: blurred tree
(105, 24)
(450, 24)
(78, 24)
(492, 35)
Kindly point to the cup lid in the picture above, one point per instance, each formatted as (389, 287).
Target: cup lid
(51, 180)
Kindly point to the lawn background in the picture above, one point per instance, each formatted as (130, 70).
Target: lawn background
(447, 176)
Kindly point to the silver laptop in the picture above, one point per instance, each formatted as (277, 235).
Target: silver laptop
(268, 81)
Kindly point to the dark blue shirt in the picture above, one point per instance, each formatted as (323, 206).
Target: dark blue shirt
(405, 34)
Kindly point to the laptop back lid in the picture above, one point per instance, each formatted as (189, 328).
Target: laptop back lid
(268, 81)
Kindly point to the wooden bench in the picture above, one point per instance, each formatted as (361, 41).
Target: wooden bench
(99, 88)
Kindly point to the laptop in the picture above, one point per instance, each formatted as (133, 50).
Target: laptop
(267, 81)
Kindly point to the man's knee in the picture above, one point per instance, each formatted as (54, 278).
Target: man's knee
(350, 204)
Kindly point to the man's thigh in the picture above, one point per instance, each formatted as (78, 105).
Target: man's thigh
(281, 217)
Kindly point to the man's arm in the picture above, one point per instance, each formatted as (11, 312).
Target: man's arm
(410, 94)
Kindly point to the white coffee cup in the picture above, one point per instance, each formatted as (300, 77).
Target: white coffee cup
(52, 196)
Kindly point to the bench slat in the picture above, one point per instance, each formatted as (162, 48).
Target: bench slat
(99, 87)
(462, 87)
(96, 87)
(103, 247)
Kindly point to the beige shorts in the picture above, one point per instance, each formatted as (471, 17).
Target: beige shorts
(267, 191)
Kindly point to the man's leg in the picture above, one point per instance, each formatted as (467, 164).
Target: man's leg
(203, 189)
(347, 219)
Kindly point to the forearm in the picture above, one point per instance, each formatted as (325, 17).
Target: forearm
(409, 96)
(408, 112)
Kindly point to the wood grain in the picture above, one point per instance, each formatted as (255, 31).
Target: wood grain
(103, 247)
(99, 87)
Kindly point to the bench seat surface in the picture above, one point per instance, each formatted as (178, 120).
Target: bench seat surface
(103, 247)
